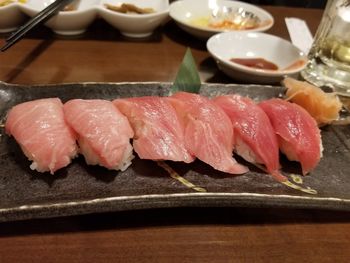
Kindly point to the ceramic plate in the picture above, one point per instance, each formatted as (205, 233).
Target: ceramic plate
(196, 16)
(258, 46)
(78, 15)
(82, 189)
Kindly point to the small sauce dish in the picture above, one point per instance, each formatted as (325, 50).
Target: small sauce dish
(11, 17)
(140, 21)
(73, 21)
(135, 25)
(256, 57)
(204, 18)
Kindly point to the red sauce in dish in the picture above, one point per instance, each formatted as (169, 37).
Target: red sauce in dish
(258, 63)
(296, 64)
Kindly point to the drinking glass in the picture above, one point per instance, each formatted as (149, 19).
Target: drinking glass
(329, 57)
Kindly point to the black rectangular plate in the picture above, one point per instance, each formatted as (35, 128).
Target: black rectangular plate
(81, 189)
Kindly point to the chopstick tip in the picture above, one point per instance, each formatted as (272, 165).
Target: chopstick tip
(6, 46)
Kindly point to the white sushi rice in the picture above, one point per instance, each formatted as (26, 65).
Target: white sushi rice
(321, 147)
(34, 165)
(92, 158)
(243, 150)
(126, 160)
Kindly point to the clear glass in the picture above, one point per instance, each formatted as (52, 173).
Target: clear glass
(329, 57)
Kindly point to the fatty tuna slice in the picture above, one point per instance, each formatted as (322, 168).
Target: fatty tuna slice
(159, 134)
(103, 132)
(208, 131)
(299, 137)
(254, 137)
(40, 129)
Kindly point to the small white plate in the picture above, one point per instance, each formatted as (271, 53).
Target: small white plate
(136, 25)
(10, 17)
(193, 16)
(255, 45)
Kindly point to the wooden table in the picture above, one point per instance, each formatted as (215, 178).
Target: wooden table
(163, 235)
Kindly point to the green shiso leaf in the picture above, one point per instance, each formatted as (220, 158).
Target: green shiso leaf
(187, 78)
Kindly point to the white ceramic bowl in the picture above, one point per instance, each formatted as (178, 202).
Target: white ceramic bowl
(76, 21)
(136, 25)
(187, 13)
(249, 45)
(10, 17)
(65, 22)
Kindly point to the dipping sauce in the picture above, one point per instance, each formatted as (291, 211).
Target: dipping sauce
(228, 24)
(258, 63)
(297, 64)
(261, 63)
(225, 24)
(69, 7)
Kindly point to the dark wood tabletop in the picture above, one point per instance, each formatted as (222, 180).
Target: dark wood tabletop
(189, 234)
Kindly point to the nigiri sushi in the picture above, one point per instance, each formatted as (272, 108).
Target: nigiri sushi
(40, 129)
(254, 137)
(298, 135)
(159, 134)
(208, 131)
(103, 132)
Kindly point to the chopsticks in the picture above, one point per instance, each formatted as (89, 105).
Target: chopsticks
(41, 16)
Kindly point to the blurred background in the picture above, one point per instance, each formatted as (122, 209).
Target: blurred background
(292, 3)
(295, 3)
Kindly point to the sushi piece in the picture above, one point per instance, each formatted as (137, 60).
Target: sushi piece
(323, 107)
(41, 131)
(254, 137)
(297, 132)
(208, 131)
(103, 132)
(159, 134)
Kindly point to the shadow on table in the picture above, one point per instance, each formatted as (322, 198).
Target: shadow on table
(98, 30)
(176, 34)
(172, 217)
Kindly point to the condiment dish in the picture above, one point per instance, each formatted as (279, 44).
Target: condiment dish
(75, 20)
(10, 17)
(204, 18)
(78, 15)
(136, 25)
(255, 57)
